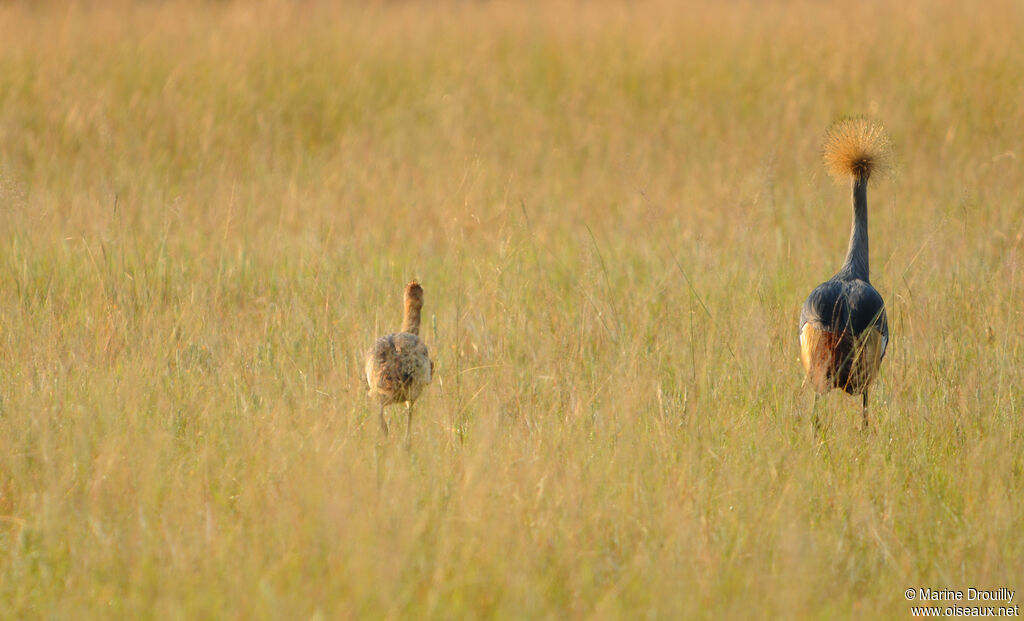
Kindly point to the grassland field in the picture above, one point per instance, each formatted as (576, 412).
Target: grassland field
(208, 212)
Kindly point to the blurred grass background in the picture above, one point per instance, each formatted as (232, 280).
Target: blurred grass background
(209, 211)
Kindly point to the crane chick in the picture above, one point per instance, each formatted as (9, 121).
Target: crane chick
(843, 327)
(398, 367)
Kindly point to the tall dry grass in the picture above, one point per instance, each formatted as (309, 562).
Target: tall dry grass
(209, 210)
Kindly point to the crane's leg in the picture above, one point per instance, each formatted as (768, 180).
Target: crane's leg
(815, 420)
(383, 423)
(408, 426)
(864, 410)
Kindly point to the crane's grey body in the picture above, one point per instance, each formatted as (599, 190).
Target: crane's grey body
(847, 309)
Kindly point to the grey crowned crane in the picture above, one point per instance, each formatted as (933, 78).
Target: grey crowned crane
(843, 327)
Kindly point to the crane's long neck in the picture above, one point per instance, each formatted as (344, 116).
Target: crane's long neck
(856, 265)
(411, 320)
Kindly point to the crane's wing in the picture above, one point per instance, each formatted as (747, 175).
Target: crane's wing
(867, 310)
(825, 308)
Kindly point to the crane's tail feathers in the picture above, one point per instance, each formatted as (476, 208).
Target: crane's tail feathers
(857, 147)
